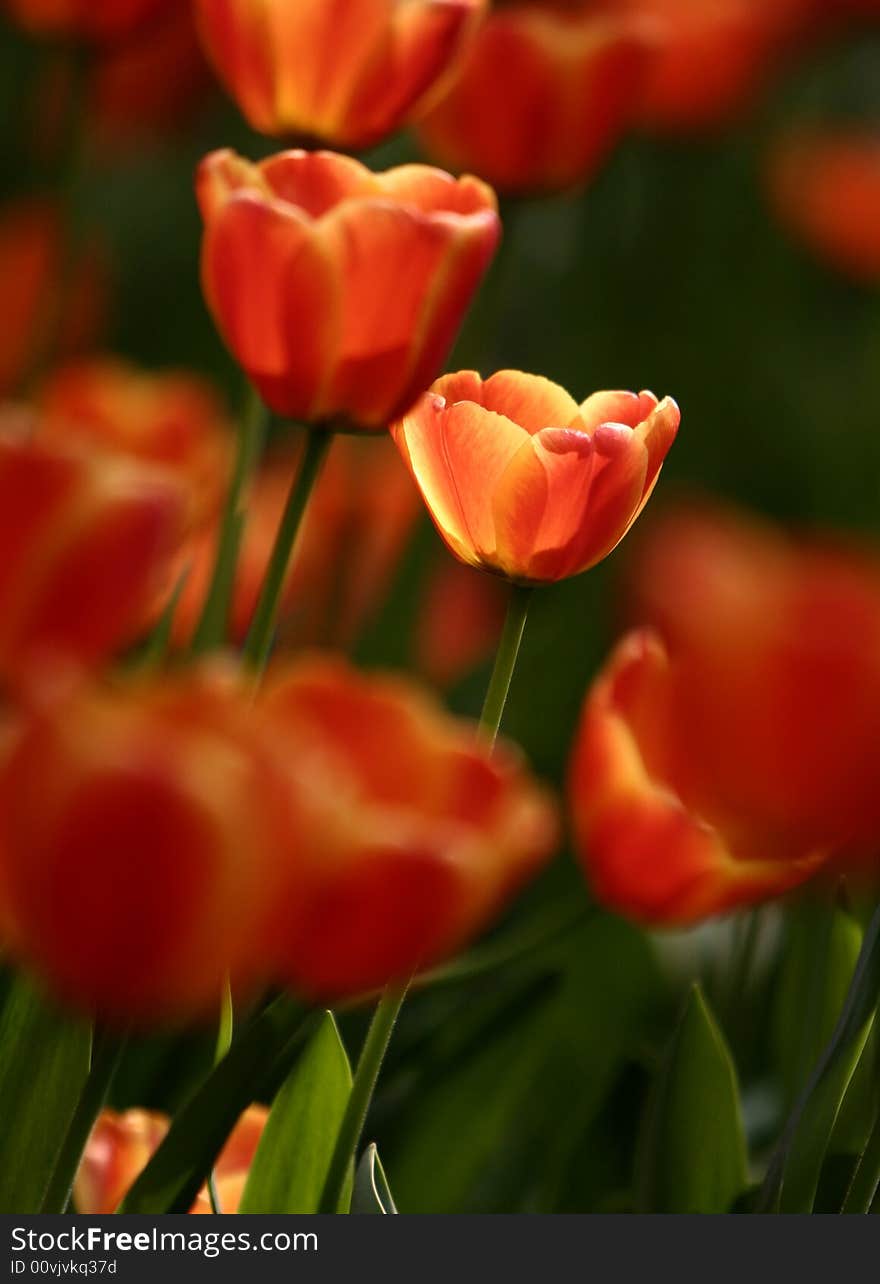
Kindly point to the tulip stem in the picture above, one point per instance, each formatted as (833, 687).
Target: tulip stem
(259, 643)
(106, 1054)
(362, 1089)
(505, 662)
(212, 626)
(866, 1178)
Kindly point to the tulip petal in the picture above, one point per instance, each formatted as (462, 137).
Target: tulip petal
(529, 400)
(610, 408)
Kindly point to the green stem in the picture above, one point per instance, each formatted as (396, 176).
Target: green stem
(505, 662)
(259, 642)
(106, 1055)
(227, 1023)
(362, 1089)
(212, 626)
(866, 1178)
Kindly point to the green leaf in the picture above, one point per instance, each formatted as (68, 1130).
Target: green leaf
(372, 1194)
(290, 1166)
(257, 1064)
(793, 1175)
(693, 1159)
(44, 1062)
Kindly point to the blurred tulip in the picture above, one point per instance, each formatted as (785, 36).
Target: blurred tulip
(140, 830)
(540, 97)
(714, 57)
(88, 540)
(84, 19)
(348, 73)
(31, 265)
(363, 508)
(460, 621)
(522, 481)
(151, 83)
(341, 291)
(413, 835)
(121, 1145)
(727, 762)
(825, 188)
(175, 421)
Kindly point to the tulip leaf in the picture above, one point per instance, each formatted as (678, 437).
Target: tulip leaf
(793, 1175)
(259, 1061)
(693, 1156)
(44, 1063)
(291, 1163)
(372, 1194)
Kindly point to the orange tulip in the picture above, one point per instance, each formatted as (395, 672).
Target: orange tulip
(825, 188)
(733, 758)
(85, 19)
(541, 96)
(522, 481)
(140, 830)
(175, 421)
(341, 291)
(31, 254)
(349, 73)
(121, 1146)
(412, 835)
(88, 540)
(360, 515)
(713, 58)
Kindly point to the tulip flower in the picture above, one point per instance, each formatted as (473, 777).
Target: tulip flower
(729, 755)
(354, 532)
(522, 481)
(349, 74)
(88, 538)
(121, 1146)
(825, 188)
(540, 97)
(31, 252)
(140, 830)
(340, 291)
(84, 19)
(175, 421)
(412, 834)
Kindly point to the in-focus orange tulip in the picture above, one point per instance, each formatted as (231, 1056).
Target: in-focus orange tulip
(174, 420)
(522, 481)
(714, 57)
(348, 73)
(825, 187)
(412, 834)
(540, 97)
(121, 1146)
(31, 253)
(726, 757)
(341, 291)
(84, 19)
(140, 830)
(359, 517)
(88, 541)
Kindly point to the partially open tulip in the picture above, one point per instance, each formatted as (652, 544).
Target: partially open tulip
(413, 834)
(354, 532)
(121, 1146)
(348, 73)
(540, 97)
(31, 254)
(140, 830)
(88, 540)
(725, 757)
(84, 19)
(522, 481)
(341, 291)
(825, 187)
(173, 420)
